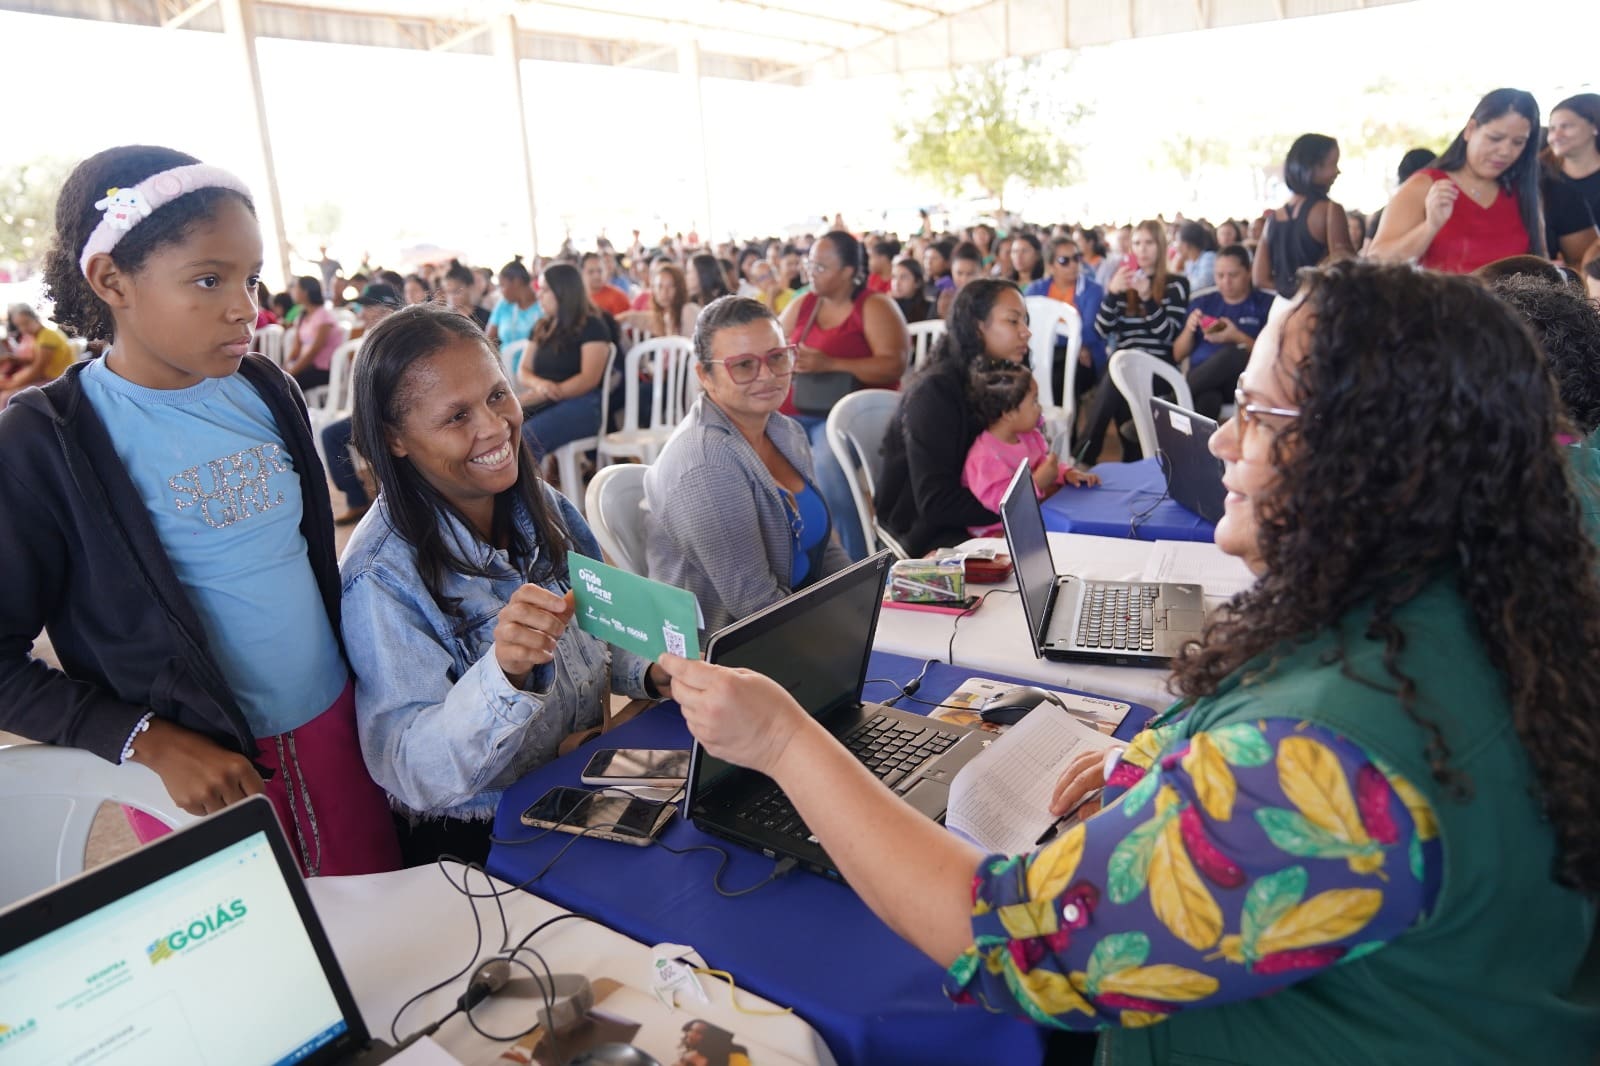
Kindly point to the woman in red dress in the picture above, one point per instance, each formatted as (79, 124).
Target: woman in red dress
(1479, 202)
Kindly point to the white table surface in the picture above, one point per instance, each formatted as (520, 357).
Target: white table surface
(994, 638)
(397, 933)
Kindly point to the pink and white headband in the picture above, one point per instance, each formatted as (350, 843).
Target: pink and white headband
(124, 208)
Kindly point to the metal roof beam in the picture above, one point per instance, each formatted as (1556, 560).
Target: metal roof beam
(183, 13)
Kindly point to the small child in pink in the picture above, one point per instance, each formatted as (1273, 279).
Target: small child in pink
(1008, 399)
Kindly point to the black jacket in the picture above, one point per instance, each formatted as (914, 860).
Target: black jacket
(920, 498)
(81, 559)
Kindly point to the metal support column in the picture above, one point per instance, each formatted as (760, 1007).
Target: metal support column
(504, 31)
(689, 71)
(239, 25)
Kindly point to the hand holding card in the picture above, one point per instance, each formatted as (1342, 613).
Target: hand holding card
(529, 626)
(632, 612)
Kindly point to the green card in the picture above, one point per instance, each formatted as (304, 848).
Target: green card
(632, 612)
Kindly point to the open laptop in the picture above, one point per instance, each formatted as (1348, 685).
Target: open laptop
(1117, 623)
(202, 947)
(1183, 442)
(816, 644)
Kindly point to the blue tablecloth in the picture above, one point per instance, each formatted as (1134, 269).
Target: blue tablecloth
(802, 941)
(1124, 504)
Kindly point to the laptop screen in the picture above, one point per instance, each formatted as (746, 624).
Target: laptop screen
(211, 963)
(815, 644)
(1030, 550)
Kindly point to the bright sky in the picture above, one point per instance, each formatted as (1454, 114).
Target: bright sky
(415, 147)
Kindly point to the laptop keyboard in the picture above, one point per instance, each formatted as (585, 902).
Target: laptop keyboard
(890, 748)
(1118, 617)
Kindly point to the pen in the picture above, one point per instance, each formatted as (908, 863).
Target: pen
(1055, 826)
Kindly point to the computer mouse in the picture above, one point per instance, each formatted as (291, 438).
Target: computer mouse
(613, 1055)
(1009, 708)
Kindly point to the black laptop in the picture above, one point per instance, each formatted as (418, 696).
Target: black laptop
(816, 644)
(200, 947)
(1183, 442)
(1115, 623)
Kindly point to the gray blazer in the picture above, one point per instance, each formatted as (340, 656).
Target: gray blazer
(719, 526)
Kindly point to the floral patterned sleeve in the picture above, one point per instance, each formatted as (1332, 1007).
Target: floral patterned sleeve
(1224, 867)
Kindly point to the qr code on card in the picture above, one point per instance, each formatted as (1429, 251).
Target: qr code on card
(672, 636)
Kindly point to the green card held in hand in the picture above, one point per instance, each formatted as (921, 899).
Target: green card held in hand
(633, 612)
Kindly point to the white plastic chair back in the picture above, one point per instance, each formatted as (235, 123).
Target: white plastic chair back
(616, 511)
(330, 403)
(269, 342)
(568, 475)
(1134, 373)
(1048, 320)
(669, 361)
(632, 335)
(511, 358)
(50, 796)
(924, 335)
(856, 428)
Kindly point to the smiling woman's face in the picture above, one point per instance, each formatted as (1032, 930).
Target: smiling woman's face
(1246, 451)
(460, 430)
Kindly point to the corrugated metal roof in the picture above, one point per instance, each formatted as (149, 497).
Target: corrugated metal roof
(757, 40)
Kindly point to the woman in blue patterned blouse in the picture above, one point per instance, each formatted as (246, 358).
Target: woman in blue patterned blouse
(1366, 831)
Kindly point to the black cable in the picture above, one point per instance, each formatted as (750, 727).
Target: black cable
(476, 948)
(908, 689)
(1139, 518)
(950, 649)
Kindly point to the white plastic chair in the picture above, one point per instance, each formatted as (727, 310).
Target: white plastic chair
(328, 403)
(1049, 319)
(632, 335)
(1134, 373)
(617, 514)
(50, 796)
(856, 428)
(569, 476)
(269, 342)
(924, 335)
(670, 361)
(511, 357)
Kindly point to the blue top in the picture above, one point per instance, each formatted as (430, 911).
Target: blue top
(1202, 273)
(1249, 314)
(513, 322)
(810, 526)
(1088, 296)
(215, 474)
(442, 728)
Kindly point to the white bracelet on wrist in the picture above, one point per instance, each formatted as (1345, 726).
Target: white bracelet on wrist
(139, 727)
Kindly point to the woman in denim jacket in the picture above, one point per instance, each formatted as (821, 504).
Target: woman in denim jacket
(456, 598)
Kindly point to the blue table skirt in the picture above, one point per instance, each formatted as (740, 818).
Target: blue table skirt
(802, 941)
(1124, 504)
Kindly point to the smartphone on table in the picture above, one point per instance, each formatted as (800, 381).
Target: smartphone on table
(607, 815)
(637, 766)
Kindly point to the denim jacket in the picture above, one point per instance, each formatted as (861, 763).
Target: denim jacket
(442, 730)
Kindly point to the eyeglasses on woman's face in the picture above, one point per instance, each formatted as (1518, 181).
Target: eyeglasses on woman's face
(1251, 415)
(743, 369)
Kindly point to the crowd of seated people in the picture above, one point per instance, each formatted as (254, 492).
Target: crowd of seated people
(435, 661)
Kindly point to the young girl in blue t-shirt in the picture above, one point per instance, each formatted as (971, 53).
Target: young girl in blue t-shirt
(163, 516)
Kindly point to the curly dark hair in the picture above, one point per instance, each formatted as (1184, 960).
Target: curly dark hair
(77, 309)
(997, 388)
(1423, 397)
(1567, 326)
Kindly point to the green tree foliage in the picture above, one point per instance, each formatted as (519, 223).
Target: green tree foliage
(28, 209)
(990, 128)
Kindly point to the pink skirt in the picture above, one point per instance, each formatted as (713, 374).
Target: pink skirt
(337, 820)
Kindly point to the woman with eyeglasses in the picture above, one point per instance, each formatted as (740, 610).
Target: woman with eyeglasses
(736, 516)
(1369, 831)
